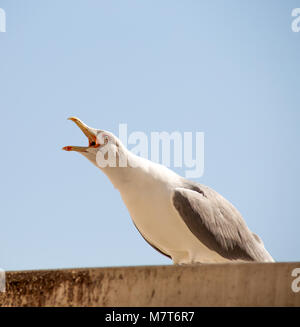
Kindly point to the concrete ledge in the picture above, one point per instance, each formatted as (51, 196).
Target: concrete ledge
(234, 284)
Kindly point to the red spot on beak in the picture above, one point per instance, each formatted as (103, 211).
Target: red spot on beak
(67, 148)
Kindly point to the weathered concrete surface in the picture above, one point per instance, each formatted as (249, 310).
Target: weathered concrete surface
(236, 284)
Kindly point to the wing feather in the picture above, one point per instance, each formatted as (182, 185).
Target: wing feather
(213, 219)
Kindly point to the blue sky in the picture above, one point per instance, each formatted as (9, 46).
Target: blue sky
(229, 69)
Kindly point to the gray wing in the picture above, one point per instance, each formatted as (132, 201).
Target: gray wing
(218, 224)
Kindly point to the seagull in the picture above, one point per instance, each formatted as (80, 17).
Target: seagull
(183, 220)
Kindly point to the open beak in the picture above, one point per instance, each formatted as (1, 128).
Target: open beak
(89, 132)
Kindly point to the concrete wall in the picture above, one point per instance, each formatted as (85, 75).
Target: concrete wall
(236, 284)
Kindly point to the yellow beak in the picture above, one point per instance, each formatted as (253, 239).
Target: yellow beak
(89, 132)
